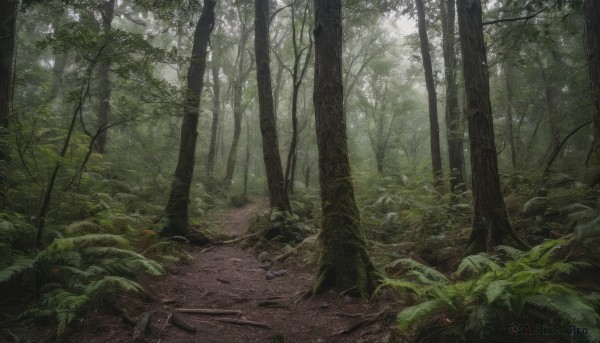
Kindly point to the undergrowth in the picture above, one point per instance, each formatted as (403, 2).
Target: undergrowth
(500, 296)
(71, 276)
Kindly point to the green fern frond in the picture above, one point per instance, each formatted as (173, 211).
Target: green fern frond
(402, 286)
(65, 244)
(569, 308)
(111, 283)
(477, 264)
(427, 271)
(132, 266)
(19, 266)
(511, 252)
(411, 317)
(495, 289)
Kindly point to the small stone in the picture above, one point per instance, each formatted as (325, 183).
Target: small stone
(264, 257)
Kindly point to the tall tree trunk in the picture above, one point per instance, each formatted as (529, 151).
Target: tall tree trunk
(509, 115)
(298, 72)
(344, 264)
(592, 47)
(490, 220)
(238, 90)
(246, 161)
(216, 107)
(549, 95)
(176, 212)
(454, 128)
(434, 127)
(8, 21)
(278, 198)
(103, 78)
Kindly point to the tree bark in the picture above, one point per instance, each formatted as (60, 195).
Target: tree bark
(238, 90)
(454, 129)
(592, 47)
(509, 115)
(490, 220)
(104, 78)
(278, 198)
(8, 21)
(176, 212)
(434, 127)
(344, 264)
(298, 72)
(216, 109)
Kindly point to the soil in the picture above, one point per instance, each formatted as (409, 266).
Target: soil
(228, 278)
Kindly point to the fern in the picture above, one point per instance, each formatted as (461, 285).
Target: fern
(428, 272)
(79, 273)
(64, 244)
(18, 267)
(477, 264)
(568, 307)
(410, 317)
(501, 291)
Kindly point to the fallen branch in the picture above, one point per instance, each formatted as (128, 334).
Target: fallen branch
(243, 322)
(164, 326)
(284, 256)
(209, 311)
(181, 323)
(367, 320)
(237, 240)
(142, 326)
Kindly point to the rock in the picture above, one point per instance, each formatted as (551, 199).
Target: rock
(264, 257)
(275, 273)
(535, 206)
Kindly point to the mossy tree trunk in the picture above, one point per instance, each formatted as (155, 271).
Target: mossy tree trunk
(8, 21)
(176, 213)
(434, 126)
(344, 264)
(490, 220)
(278, 197)
(454, 128)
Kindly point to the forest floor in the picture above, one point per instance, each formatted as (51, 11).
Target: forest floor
(226, 277)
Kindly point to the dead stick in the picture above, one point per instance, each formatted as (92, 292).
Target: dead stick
(209, 311)
(164, 326)
(141, 327)
(181, 323)
(237, 240)
(243, 322)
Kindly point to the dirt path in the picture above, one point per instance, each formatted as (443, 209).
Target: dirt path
(227, 277)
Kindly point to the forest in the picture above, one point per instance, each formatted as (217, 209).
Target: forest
(383, 171)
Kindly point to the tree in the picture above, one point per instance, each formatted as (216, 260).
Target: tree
(454, 130)
(8, 20)
(238, 89)
(592, 44)
(278, 197)
(176, 212)
(434, 127)
(490, 220)
(216, 109)
(344, 264)
(107, 14)
(297, 73)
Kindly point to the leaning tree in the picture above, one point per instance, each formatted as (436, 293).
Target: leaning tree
(176, 213)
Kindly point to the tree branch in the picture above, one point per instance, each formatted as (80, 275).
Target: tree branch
(504, 20)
